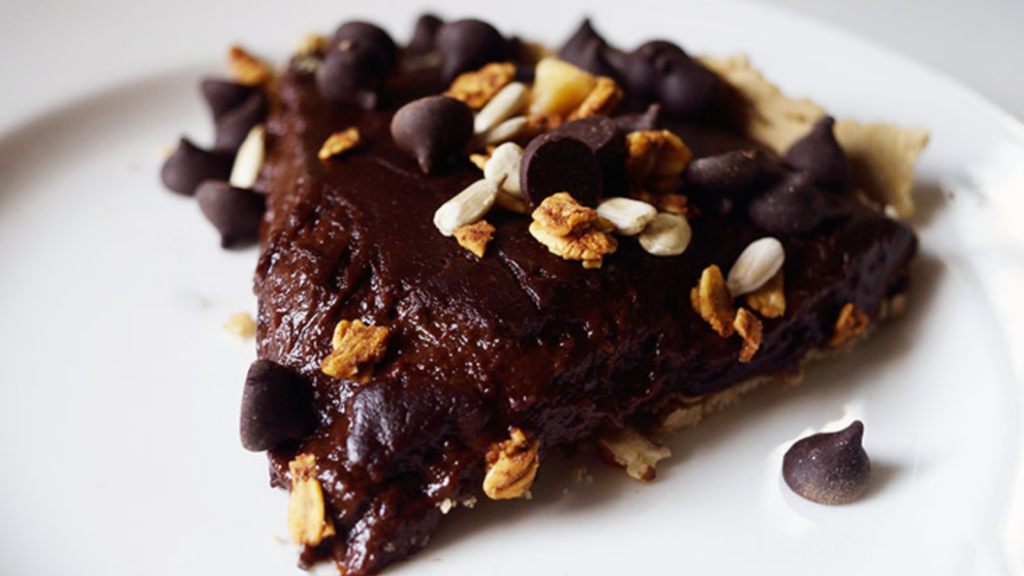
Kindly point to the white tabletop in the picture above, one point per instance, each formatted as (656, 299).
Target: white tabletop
(979, 42)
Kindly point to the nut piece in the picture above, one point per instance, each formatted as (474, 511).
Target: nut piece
(770, 299)
(503, 167)
(667, 202)
(509, 101)
(666, 235)
(247, 69)
(307, 521)
(572, 231)
(479, 160)
(357, 347)
(628, 449)
(749, 328)
(559, 87)
(503, 132)
(240, 325)
(511, 466)
(655, 159)
(339, 143)
(466, 207)
(851, 322)
(711, 299)
(603, 99)
(478, 87)
(627, 215)
(757, 264)
(249, 160)
(475, 237)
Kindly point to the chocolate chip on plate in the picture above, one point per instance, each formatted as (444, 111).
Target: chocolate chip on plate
(354, 72)
(725, 174)
(189, 165)
(793, 205)
(235, 212)
(607, 141)
(222, 96)
(819, 154)
(649, 119)
(432, 129)
(234, 125)
(466, 45)
(829, 468)
(424, 35)
(371, 36)
(685, 88)
(555, 163)
(276, 406)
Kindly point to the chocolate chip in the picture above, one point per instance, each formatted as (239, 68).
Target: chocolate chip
(589, 51)
(819, 154)
(276, 406)
(189, 165)
(607, 141)
(555, 163)
(726, 174)
(223, 96)
(650, 119)
(640, 72)
(793, 205)
(424, 35)
(371, 36)
(432, 129)
(685, 88)
(829, 468)
(235, 212)
(234, 125)
(467, 45)
(353, 73)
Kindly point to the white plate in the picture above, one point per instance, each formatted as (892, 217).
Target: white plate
(120, 392)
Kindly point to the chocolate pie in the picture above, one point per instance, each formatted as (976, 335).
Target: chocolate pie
(476, 253)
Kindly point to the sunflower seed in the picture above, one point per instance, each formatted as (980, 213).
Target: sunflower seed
(755, 266)
(502, 167)
(503, 132)
(508, 101)
(249, 160)
(466, 207)
(627, 215)
(667, 235)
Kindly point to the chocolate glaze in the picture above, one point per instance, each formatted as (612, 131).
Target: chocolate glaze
(519, 337)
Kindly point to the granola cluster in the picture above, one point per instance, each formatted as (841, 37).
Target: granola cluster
(572, 230)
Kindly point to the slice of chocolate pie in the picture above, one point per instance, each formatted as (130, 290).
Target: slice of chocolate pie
(476, 254)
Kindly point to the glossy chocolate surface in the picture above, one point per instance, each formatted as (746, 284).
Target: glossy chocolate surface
(517, 338)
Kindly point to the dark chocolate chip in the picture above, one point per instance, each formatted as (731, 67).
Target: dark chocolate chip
(432, 129)
(223, 96)
(819, 154)
(685, 88)
(793, 205)
(640, 72)
(234, 125)
(575, 45)
(353, 73)
(726, 174)
(374, 37)
(607, 141)
(189, 165)
(424, 35)
(235, 212)
(555, 163)
(276, 406)
(650, 119)
(829, 468)
(467, 45)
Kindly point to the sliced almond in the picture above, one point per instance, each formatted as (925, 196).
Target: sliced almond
(667, 235)
(466, 207)
(628, 216)
(307, 516)
(503, 167)
(755, 266)
(508, 102)
(249, 161)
